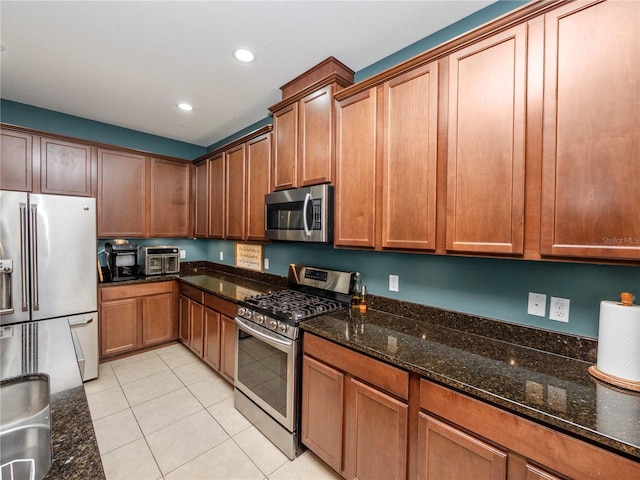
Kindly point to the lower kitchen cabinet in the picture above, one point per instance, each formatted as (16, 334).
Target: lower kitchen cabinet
(354, 411)
(439, 444)
(208, 329)
(135, 316)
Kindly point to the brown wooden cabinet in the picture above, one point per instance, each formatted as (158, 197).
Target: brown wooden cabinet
(258, 184)
(590, 189)
(122, 193)
(304, 130)
(236, 180)
(386, 173)
(170, 196)
(354, 411)
(16, 160)
(238, 177)
(201, 200)
(134, 316)
(66, 167)
(447, 453)
(217, 196)
(486, 145)
(43, 164)
(208, 328)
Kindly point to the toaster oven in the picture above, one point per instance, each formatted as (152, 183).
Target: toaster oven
(159, 260)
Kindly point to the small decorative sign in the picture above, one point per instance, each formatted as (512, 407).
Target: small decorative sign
(249, 256)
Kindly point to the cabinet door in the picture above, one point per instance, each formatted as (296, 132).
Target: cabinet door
(486, 142)
(446, 453)
(196, 327)
(410, 110)
(228, 341)
(217, 196)
(201, 202)
(211, 353)
(122, 190)
(65, 167)
(185, 326)
(322, 411)
(157, 319)
(590, 190)
(16, 161)
(285, 156)
(236, 199)
(355, 192)
(170, 198)
(119, 326)
(315, 137)
(258, 184)
(376, 439)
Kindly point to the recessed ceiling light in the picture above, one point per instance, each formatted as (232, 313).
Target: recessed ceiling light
(185, 106)
(244, 55)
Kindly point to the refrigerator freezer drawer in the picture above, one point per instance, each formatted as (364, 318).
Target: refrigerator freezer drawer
(84, 330)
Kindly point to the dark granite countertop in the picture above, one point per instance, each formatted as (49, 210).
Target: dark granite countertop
(550, 389)
(229, 287)
(46, 347)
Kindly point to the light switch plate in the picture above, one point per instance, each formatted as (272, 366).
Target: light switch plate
(394, 283)
(537, 304)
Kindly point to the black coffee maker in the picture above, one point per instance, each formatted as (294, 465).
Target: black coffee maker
(122, 260)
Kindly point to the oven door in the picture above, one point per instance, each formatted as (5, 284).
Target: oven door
(265, 372)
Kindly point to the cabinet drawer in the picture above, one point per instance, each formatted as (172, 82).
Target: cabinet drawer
(193, 293)
(223, 306)
(386, 377)
(135, 290)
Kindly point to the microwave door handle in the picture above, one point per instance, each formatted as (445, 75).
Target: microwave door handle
(307, 230)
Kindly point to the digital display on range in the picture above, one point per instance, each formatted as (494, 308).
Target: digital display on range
(319, 275)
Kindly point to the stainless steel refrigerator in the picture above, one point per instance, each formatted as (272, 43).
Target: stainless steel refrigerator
(48, 266)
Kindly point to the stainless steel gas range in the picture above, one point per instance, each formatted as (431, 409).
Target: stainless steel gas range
(268, 355)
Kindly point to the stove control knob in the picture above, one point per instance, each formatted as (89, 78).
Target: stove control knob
(242, 311)
(259, 318)
(283, 327)
(273, 324)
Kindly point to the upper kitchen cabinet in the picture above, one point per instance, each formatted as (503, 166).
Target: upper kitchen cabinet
(39, 164)
(258, 183)
(386, 163)
(65, 167)
(16, 161)
(486, 145)
(122, 192)
(591, 151)
(303, 125)
(238, 176)
(201, 200)
(170, 198)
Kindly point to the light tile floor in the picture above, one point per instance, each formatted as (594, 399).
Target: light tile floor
(165, 414)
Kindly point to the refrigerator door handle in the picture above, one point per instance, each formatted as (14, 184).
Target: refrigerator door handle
(34, 256)
(23, 256)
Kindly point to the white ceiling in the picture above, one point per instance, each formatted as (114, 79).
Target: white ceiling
(128, 63)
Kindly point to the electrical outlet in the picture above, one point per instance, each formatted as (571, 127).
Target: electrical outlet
(221, 255)
(183, 254)
(394, 283)
(537, 304)
(559, 309)
(266, 264)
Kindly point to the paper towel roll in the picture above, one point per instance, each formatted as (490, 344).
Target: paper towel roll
(619, 340)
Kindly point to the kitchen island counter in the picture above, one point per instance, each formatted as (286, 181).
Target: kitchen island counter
(518, 379)
(46, 347)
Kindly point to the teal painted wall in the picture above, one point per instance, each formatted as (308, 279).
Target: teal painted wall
(495, 288)
(50, 121)
(241, 133)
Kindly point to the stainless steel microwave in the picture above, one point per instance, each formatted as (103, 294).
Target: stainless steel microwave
(300, 215)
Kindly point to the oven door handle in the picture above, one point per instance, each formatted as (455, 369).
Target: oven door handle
(266, 338)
